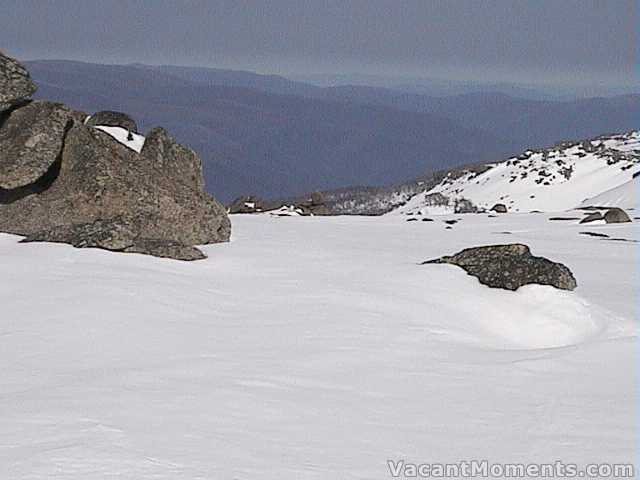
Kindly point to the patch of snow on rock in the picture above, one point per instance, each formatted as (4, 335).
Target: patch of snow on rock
(122, 135)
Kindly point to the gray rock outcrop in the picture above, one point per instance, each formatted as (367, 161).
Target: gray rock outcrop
(64, 181)
(510, 267)
(16, 85)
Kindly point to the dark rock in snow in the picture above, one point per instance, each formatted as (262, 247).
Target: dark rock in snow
(314, 205)
(113, 119)
(31, 140)
(464, 205)
(592, 217)
(594, 234)
(510, 267)
(118, 234)
(616, 215)
(16, 85)
(499, 208)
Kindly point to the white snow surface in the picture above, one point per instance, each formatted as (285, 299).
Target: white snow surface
(624, 196)
(315, 348)
(122, 135)
(550, 180)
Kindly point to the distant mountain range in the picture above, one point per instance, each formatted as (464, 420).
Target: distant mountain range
(273, 137)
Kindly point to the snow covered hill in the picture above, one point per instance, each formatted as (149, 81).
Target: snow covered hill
(624, 196)
(555, 179)
(315, 348)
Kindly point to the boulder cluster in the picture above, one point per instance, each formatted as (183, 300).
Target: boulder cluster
(69, 177)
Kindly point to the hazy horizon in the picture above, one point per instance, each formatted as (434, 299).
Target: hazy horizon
(532, 43)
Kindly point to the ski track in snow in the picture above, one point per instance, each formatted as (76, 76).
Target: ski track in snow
(314, 348)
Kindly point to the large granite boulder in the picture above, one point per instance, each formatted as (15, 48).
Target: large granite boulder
(109, 118)
(31, 139)
(15, 83)
(616, 215)
(510, 267)
(100, 193)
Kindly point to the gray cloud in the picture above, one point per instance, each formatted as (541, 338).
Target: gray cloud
(568, 40)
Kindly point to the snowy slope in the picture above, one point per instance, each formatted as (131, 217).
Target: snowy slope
(556, 179)
(625, 196)
(314, 348)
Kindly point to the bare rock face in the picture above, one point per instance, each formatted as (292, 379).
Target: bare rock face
(15, 83)
(113, 119)
(179, 162)
(100, 193)
(31, 139)
(510, 267)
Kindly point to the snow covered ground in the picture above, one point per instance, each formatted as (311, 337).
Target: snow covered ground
(315, 348)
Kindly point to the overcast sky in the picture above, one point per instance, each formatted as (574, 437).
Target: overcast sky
(579, 41)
